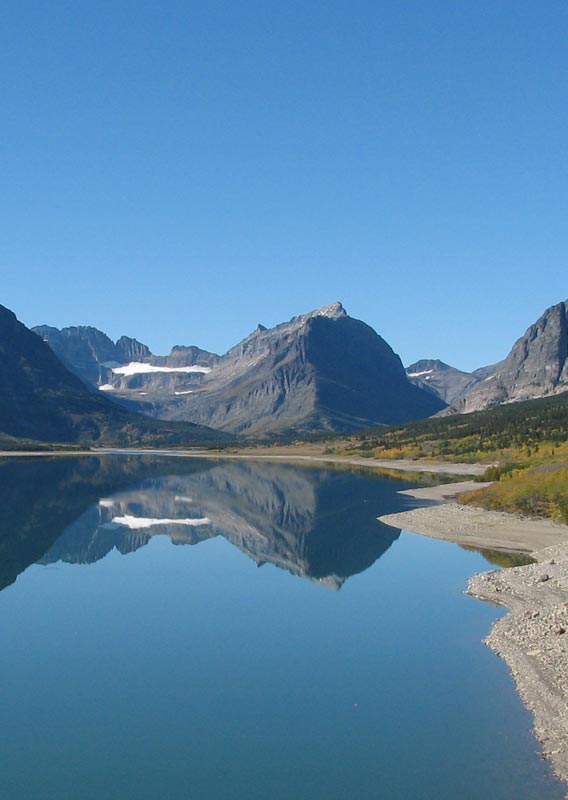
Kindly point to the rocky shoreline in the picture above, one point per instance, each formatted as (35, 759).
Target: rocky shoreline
(533, 640)
(533, 637)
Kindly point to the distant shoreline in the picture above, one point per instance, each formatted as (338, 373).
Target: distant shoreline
(402, 465)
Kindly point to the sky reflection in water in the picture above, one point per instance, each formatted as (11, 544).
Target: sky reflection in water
(355, 669)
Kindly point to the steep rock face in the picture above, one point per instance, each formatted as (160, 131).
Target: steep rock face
(320, 371)
(82, 349)
(96, 359)
(537, 366)
(41, 399)
(484, 372)
(128, 350)
(442, 380)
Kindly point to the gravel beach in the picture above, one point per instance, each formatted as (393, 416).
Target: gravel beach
(533, 637)
(533, 640)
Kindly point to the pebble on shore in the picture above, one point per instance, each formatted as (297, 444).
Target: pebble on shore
(531, 640)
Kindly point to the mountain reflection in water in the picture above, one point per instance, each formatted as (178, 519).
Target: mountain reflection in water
(317, 524)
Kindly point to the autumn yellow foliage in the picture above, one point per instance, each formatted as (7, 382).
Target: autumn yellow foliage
(537, 491)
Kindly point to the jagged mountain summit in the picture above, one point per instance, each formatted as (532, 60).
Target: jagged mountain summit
(92, 355)
(442, 380)
(41, 399)
(537, 366)
(320, 371)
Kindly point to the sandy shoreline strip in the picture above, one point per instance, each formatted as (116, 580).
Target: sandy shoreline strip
(476, 527)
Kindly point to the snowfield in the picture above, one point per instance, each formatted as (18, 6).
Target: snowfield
(137, 368)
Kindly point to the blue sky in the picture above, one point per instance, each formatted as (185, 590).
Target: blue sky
(181, 171)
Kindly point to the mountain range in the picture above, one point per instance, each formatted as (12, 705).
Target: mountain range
(40, 399)
(320, 371)
(91, 354)
(446, 382)
(536, 366)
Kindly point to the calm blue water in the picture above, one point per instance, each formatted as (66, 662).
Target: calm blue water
(144, 658)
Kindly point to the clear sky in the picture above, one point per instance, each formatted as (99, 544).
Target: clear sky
(180, 171)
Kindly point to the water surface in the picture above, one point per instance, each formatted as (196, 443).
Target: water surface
(146, 655)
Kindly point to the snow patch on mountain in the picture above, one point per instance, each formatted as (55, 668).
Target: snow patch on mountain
(138, 368)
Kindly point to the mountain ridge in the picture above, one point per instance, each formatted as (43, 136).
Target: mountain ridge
(40, 399)
(446, 382)
(322, 370)
(536, 366)
(319, 371)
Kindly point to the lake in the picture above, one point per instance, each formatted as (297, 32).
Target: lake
(181, 628)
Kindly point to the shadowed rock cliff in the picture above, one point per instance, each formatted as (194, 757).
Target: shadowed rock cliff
(537, 366)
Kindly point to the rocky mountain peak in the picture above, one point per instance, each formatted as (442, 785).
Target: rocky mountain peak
(441, 379)
(81, 348)
(425, 365)
(537, 366)
(333, 311)
(130, 349)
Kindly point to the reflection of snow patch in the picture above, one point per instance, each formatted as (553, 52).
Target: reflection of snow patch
(106, 502)
(189, 391)
(136, 523)
(137, 368)
(106, 387)
(180, 498)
